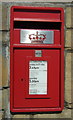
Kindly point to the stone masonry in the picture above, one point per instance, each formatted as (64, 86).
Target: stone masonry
(5, 61)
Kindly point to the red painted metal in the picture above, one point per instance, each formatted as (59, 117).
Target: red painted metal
(21, 54)
(16, 40)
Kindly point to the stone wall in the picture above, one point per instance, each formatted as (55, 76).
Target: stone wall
(5, 55)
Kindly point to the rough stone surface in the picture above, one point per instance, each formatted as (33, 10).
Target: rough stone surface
(5, 98)
(4, 72)
(72, 82)
(68, 41)
(0, 71)
(5, 37)
(59, 1)
(0, 36)
(1, 115)
(66, 113)
(72, 77)
(69, 17)
(72, 15)
(6, 102)
(68, 77)
(4, 17)
(0, 99)
(0, 16)
(21, 116)
(72, 39)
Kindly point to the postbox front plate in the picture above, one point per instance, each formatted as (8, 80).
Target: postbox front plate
(36, 59)
(38, 97)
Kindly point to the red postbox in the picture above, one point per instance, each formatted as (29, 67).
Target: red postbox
(36, 59)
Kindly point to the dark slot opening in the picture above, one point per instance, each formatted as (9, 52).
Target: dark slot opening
(36, 25)
(38, 10)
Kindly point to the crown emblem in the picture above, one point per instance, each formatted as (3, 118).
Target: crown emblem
(37, 37)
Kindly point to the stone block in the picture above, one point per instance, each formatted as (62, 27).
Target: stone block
(5, 25)
(21, 116)
(0, 37)
(0, 99)
(68, 41)
(6, 103)
(69, 17)
(5, 98)
(0, 70)
(4, 72)
(1, 115)
(0, 16)
(59, 1)
(72, 77)
(66, 113)
(5, 37)
(68, 76)
(72, 15)
(72, 39)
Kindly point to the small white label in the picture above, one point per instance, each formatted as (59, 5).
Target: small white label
(38, 77)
